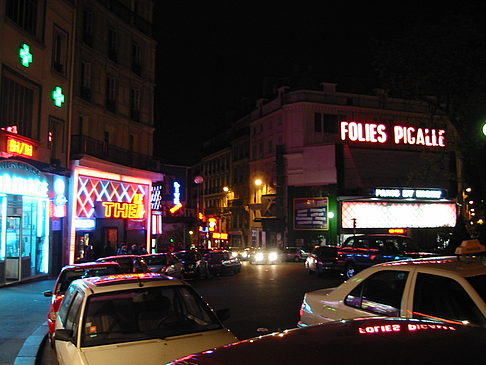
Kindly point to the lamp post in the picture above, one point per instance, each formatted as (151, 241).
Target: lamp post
(198, 180)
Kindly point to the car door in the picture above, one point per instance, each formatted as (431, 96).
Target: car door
(69, 318)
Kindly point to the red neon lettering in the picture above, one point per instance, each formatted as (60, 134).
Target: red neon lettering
(419, 136)
(380, 329)
(363, 132)
(19, 147)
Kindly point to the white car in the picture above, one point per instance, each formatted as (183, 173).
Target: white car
(452, 289)
(144, 318)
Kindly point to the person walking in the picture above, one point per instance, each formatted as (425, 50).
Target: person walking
(122, 250)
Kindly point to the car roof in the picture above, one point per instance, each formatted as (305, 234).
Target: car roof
(376, 235)
(116, 282)
(461, 266)
(89, 265)
(364, 341)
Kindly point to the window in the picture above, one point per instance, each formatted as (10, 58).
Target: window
(111, 93)
(381, 293)
(444, 298)
(24, 14)
(112, 45)
(88, 27)
(135, 104)
(86, 80)
(59, 50)
(136, 59)
(327, 123)
(56, 137)
(19, 100)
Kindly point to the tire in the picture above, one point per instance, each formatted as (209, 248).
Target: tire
(349, 270)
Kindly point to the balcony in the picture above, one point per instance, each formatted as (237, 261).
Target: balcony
(83, 145)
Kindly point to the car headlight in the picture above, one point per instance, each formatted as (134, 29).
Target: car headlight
(259, 257)
(234, 254)
(244, 254)
(272, 256)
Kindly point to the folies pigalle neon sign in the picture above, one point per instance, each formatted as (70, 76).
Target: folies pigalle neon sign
(396, 134)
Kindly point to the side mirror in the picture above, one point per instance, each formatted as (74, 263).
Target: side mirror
(63, 335)
(223, 314)
(47, 293)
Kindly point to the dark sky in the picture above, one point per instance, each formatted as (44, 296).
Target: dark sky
(211, 57)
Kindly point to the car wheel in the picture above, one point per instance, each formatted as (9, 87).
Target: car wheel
(350, 270)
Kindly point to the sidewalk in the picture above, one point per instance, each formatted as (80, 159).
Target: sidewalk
(23, 319)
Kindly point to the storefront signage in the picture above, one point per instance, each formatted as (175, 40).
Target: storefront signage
(397, 134)
(18, 185)
(311, 213)
(409, 193)
(19, 147)
(133, 210)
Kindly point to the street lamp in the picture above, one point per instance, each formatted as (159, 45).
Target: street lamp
(198, 180)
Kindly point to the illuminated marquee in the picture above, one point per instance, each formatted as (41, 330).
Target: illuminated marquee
(399, 135)
(19, 147)
(409, 193)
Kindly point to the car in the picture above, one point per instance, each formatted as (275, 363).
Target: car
(221, 263)
(164, 263)
(367, 341)
(265, 256)
(361, 251)
(128, 263)
(135, 318)
(321, 260)
(296, 254)
(449, 288)
(240, 253)
(195, 266)
(68, 274)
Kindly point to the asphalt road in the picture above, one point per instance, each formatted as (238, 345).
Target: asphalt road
(262, 299)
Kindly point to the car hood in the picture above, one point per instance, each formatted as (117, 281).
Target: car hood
(156, 351)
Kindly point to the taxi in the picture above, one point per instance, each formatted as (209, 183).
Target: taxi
(67, 275)
(449, 288)
(135, 318)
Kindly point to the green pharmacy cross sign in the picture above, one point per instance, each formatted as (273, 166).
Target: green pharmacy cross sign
(58, 96)
(25, 55)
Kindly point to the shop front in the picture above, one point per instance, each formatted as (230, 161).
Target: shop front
(24, 222)
(107, 210)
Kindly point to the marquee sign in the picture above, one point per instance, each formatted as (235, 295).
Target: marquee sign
(397, 134)
(409, 193)
(133, 210)
(19, 147)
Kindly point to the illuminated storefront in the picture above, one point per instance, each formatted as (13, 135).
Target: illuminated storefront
(24, 221)
(107, 208)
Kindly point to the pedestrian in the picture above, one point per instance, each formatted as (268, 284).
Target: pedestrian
(108, 250)
(142, 250)
(122, 250)
(134, 249)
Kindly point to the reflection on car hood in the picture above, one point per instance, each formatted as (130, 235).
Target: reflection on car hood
(156, 351)
(361, 341)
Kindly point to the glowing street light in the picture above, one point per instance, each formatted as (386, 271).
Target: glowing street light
(258, 182)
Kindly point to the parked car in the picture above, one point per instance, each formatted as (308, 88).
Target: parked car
(295, 254)
(367, 341)
(143, 318)
(67, 275)
(362, 251)
(265, 256)
(322, 259)
(164, 263)
(221, 263)
(449, 288)
(195, 266)
(128, 263)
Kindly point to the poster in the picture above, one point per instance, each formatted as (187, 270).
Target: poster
(311, 213)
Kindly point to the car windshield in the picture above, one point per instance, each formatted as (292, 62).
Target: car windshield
(186, 256)
(68, 276)
(156, 260)
(145, 313)
(479, 284)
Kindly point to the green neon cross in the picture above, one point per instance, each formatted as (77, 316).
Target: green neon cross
(25, 55)
(58, 96)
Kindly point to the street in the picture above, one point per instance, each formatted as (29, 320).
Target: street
(262, 298)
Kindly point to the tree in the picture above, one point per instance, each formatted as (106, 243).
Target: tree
(441, 61)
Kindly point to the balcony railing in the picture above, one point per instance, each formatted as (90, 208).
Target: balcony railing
(83, 145)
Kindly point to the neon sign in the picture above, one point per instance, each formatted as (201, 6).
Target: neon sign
(26, 57)
(19, 147)
(409, 193)
(388, 328)
(23, 186)
(134, 210)
(177, 193)
(399, 135)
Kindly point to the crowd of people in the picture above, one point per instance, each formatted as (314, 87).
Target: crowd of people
(134, 249)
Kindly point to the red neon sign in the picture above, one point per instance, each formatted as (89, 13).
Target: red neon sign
(369, 330)
(19, 147)
(378, 133)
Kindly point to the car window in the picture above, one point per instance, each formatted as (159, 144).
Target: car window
(380, 293)
(74, 311)
(440, 297)
(145, 313)
(66, 303)
(478, 282)
(156, 260)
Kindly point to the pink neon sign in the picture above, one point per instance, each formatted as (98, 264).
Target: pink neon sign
(397, 134)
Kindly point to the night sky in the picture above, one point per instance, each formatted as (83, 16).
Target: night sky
(212, 59)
